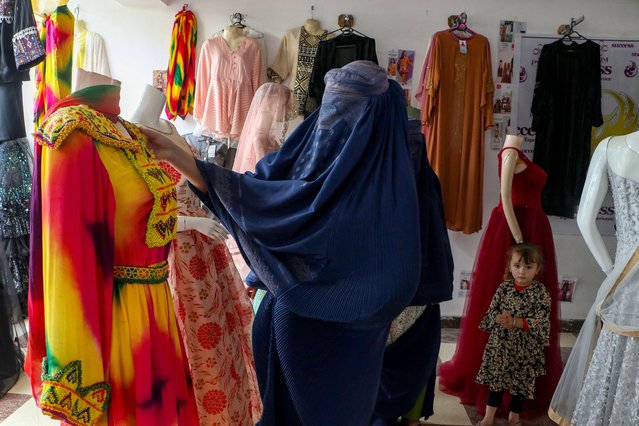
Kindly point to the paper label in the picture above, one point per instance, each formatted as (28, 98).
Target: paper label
(463, 48)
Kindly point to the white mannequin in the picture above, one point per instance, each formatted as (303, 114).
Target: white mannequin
(313, 27)
(147, 115)
(233, 36)
(621, 154)
(510, 165)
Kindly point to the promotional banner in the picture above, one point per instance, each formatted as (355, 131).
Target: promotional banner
(619, 102)
(502, 99)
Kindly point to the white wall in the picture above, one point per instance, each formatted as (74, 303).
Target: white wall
(137, 40)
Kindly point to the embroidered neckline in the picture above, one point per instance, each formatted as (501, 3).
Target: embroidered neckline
(162, 222)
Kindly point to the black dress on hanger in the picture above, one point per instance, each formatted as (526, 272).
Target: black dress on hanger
(335, 53)
(566, 106)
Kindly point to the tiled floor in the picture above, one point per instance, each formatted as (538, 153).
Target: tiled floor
(18, 409)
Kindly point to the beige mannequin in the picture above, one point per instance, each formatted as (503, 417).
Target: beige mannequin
(233, 36)
(147, 116)
(621, 155)
(510, 165)
(313, 27)
(86, 79)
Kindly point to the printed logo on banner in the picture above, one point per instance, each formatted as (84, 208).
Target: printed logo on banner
(623, 45)
(631, 70)
(523, 74)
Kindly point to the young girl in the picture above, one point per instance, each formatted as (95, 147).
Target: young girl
(518, 321)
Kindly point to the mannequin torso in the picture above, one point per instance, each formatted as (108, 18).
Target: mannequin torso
(233, 36)
(621, 155)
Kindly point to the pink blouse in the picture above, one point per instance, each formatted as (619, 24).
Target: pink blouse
(225, 84)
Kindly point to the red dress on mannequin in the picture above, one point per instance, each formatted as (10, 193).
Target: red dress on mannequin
(457, 376)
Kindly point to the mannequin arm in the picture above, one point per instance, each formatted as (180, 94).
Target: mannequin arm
(204, 225)
(592, 197)
(508, 164)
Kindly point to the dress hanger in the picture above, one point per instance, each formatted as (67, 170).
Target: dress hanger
(346, 27)
(459, 24)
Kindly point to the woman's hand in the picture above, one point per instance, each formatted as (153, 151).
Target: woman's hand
(169, 148)
(163, 146)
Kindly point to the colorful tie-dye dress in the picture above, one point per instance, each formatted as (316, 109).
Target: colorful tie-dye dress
(104, 345)
(53, 75)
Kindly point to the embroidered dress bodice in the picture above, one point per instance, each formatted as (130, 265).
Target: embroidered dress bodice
(625, 194)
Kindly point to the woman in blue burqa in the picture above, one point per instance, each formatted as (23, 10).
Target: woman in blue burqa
(334, 228)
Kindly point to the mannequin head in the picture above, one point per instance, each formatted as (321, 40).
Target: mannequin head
(86, 79)
(149, 110)
(313, 26)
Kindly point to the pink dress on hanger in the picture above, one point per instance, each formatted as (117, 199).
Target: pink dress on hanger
(226, 82)
(215, 317)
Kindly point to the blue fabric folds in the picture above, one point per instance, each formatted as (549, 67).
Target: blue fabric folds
(331, 222)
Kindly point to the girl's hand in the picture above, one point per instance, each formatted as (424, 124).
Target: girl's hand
(508, 320)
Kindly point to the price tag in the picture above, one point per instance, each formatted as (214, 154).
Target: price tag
(463, 48)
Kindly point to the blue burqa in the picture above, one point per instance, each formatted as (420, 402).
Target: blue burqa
(330, 225)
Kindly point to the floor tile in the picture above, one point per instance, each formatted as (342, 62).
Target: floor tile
(23, 387)
(10, 403)
(448, 410)
(28, 414)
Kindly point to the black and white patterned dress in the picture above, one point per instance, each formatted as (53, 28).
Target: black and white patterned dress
(514, 358)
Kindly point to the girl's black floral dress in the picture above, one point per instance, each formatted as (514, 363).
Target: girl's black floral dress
(514, 358)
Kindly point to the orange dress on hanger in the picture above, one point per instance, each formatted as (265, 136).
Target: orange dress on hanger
(458, 110)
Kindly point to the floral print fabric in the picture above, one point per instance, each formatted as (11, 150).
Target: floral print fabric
(215, 317)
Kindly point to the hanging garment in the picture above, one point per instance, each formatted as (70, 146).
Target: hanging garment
(11, 329)
(458, 110)
(335, 53)
(265, 126)
(601, 379)
(296, 58)
(226, 82)
(15, 197)
(20, 49)
(215, 318)
(423, 80)
(320, 333)
(566, 106)
(180, 86)
(20, 46)
(53, 75)
(89, 52)
(100, 311)
(457, 376)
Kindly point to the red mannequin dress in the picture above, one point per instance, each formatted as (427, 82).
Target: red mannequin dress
(457, 376)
